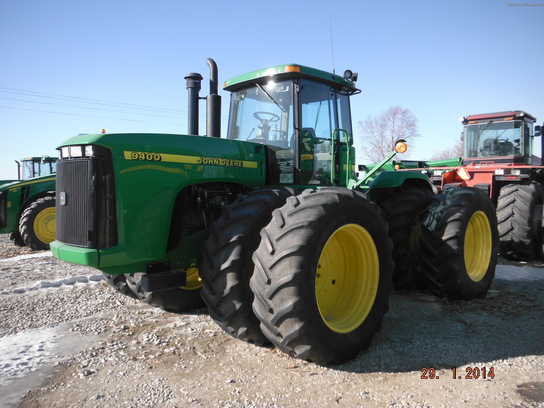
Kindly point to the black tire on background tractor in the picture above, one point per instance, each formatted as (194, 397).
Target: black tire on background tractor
(519, 215)
(459, 243)
(16, 239)
(175, 300)
(37, 223)
(119, 283)
(227, 265)
(323, 275)
(401, 208)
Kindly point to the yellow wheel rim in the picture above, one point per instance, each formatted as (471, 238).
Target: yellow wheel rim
(478, 246)
(45, 225)
(347, 278)
(193, 280)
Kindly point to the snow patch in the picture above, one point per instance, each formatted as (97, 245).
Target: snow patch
(70, 281)
(27, 256)
(24, 352)
(29, 357)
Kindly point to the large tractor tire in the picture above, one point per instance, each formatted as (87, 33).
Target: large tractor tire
(227, 265)
(16, 239)
(519, 214)
(459, 243)
(37, 223)
(401, 208)
(175, 300)
(323, 275)
(119, 283)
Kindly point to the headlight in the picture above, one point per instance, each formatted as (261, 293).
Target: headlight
(499, 172)
(516, 172)
(89, 151)
(71, 152)
(76, 151)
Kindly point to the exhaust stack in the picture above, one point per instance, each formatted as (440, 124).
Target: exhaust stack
(213, 103)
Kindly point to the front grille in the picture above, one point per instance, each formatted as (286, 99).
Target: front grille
(86, 202)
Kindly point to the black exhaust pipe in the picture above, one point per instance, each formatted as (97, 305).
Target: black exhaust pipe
(193, 88)
(213, 103)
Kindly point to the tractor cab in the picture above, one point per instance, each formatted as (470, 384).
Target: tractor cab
(31, 167)
(500, 137)
(302, 116)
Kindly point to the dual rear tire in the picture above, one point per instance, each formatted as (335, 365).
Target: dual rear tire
(322, 269)
(458, 243)
(312, 277)
(519, 213)
(402, 208)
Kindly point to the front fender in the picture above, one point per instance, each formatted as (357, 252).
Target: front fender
(394, 179)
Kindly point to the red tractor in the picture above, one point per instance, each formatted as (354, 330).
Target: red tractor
(498, 158)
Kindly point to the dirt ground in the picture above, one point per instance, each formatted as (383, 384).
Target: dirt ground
(109, 350)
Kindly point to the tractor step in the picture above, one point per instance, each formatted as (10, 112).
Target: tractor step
(164, 280)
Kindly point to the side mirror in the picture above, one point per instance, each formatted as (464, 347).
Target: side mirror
(538, 131)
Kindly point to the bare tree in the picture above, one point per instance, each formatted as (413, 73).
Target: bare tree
(450, 153)
(382, 131)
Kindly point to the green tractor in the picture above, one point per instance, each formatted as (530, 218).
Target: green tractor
(268, 227)
(27, 205)
(370, 171)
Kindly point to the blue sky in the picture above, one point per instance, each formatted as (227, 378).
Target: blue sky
(70, 67)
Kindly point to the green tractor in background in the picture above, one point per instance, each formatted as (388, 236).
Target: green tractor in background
(269, 226)
(370, 171)
(27, 205)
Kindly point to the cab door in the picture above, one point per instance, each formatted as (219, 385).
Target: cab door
(324, 134)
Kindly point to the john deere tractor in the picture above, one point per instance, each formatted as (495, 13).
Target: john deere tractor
(269, 227)
(27, 205)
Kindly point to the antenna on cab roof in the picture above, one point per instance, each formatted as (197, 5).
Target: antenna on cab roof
(332, 44)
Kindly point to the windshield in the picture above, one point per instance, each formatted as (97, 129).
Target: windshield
(496, 139)
(30, 169)
(35, 168)
(263, 114)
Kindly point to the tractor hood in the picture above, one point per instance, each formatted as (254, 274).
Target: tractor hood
(9, 185)
(168, 148)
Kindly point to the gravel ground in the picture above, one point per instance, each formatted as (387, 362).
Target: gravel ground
(78, 343)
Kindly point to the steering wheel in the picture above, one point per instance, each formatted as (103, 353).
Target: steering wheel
(265, 121)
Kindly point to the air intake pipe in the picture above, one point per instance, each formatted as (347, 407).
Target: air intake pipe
(193, 81)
